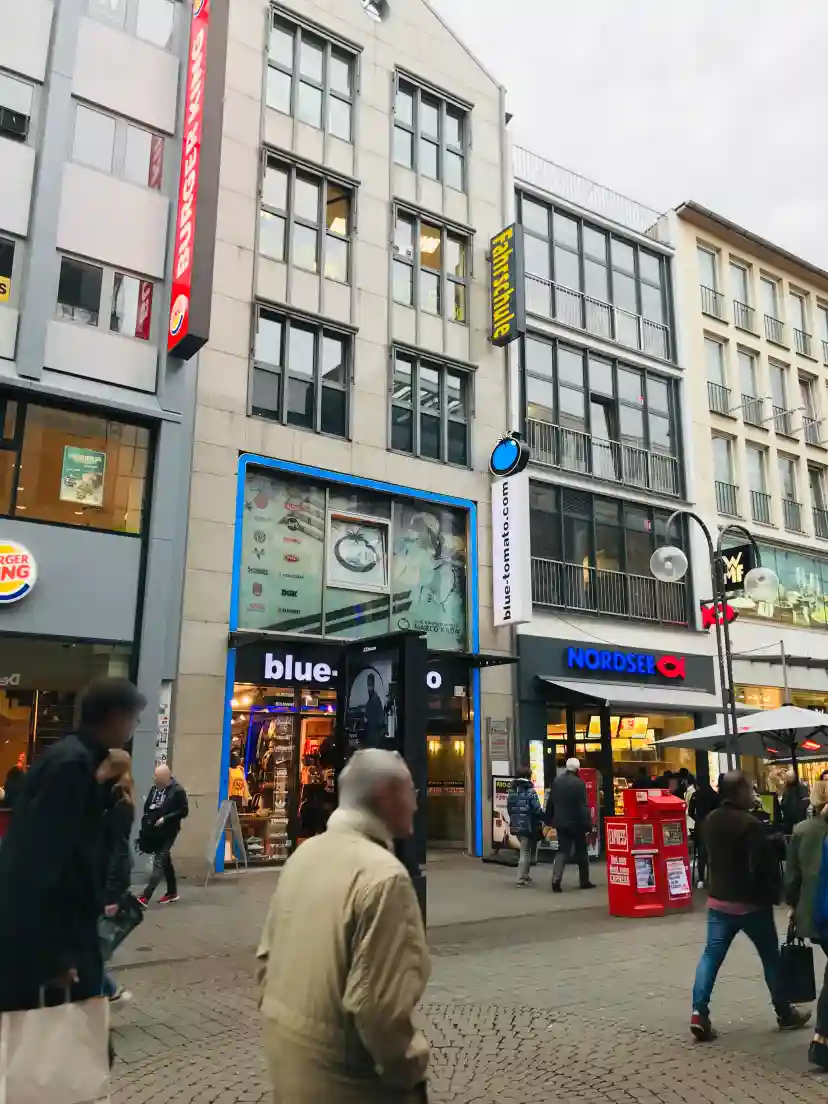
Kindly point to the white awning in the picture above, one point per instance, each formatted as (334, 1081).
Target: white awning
(633, 696)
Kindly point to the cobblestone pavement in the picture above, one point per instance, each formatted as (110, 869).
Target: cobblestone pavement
(554, 1004)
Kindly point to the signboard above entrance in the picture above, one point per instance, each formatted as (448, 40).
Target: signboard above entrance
(621, 662)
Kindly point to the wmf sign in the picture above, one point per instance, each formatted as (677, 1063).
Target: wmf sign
(511, 556)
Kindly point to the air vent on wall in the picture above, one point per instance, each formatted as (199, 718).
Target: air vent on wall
(13, 124)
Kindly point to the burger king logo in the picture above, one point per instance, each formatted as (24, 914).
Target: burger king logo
(197, 6)
(178, 313)
(18, 572)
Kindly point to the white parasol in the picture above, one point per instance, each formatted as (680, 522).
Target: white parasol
(784, 733)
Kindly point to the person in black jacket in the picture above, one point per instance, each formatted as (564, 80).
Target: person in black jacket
(567, 810)
(702, 803)
(12, 787)
(745, 884)
(164, 810)
(51, 892)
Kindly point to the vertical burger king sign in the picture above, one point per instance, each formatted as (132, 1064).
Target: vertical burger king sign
(18, 572)
(188, 186)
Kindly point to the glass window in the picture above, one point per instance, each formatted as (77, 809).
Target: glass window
(430, 300)
(404, 106)
(658, 395)
(536, 255)
(565, 230)
(341, 73)
(94, 139)
(131, 312)
(266, 400)
(453, 169)
(454, 127)
(739, 283)
(747, 373)
(778, 378)
(535, 216)
(570, 366)
(339, 119)
(336, 259)
(714, 359)
(600, 376)
(311, 58)
(269, 332)
(624, 292)
(798, 313)
(540, 399)
(144, 157)
(630, 386)
(722, 466)
(429, 412)
(271, 235)
(309, 105)
(278, 90)
(787, 478)
(770, 299)
(325, 75)
(623, 256)
(81, 469)
(652, 304)
(571, 408)
(596, 280)
(429, 158)
(155, 22)
(567, 269)
(755, 459)
(333, 360)
(79, 291)
(631, 426)
(281, 44)
(429, 135)
(649, 267)
(707, 268)
(275, 188)
(537, 357)
(661, 435)
(6, 269)
(306, 198)
(429, 116)
(113, 11)
(403, 284)
(403, 147)
(430, 240)
(595, 244)
(305, 248)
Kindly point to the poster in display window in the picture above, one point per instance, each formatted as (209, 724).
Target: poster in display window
(357, 553)
(371, 712)
(82, 476)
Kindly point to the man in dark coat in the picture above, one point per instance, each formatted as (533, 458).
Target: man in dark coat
(745, 884)
(51, 892)
(567, 810)
(164, 810)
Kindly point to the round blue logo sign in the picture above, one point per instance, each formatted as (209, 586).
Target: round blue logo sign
(509, 456)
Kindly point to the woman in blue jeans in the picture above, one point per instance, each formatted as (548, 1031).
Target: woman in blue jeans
(745, 884)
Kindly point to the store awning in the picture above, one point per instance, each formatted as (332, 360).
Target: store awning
(622, 696)
(249, 637)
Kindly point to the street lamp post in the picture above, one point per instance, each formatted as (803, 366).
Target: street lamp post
(669, 565)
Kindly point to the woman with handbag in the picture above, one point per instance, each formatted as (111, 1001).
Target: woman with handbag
(116, 770)
(805, 880)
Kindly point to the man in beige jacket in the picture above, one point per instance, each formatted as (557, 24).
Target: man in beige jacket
(343, 955)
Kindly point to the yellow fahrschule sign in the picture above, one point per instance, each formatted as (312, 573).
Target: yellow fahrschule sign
(508, 307)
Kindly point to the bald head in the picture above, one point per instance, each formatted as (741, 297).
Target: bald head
(163, 776)
(379, 782)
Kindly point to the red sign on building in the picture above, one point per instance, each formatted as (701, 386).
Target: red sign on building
(191, 145)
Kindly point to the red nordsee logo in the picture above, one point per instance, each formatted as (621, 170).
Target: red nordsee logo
(670, 666)
(188, 182)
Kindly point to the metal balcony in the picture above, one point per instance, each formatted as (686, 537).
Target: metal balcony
(743, 316)
(727, 499)
(792, 514)
(810, 427)
(753, 410)
(802, 342)
(712, 301)
(611, 461)
(719, 398)
(760, 507)
(783, 421)
(820, 522)
(774, 330)
(557, 585)
(594, 316)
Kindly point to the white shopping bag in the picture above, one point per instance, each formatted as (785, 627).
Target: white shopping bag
(56, 1055)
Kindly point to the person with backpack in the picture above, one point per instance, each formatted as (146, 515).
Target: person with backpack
(164, 810)
(525, 821)
(806, 891)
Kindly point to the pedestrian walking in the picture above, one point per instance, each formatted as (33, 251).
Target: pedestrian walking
(343, 955)
(802, 887)
(51, 888)
(703, 801)
(164, 810)
(567, 810)
(119, 817)
(525, 821)
(793, 803)
(745, 884)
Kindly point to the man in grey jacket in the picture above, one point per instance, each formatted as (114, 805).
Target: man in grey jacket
(568, 812)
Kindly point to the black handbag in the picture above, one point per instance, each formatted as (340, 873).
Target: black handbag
(113, 930)
(798, 980)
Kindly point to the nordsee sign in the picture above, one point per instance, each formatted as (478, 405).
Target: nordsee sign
(511, 565)
(613, 661)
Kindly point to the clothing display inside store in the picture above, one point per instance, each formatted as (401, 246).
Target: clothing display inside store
(281, 774)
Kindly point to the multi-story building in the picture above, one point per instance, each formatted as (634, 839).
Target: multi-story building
(611, 660)
(96, 421)
(754, 327)
(348, 401)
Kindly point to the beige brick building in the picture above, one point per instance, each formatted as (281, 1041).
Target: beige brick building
(364, 169)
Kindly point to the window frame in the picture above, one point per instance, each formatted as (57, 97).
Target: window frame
(715, 257)
(14, 443)
(721, 345)
(271, 158)
(416, 90)
(771, 282)
(791, 465)
(30, 136)
(448, 281)
(417, 361)
(298, 30)
(289, 320)
(15, 278)
(728, 445)
(746, 270)
(108, 276)
(126, 19)
(120, 138)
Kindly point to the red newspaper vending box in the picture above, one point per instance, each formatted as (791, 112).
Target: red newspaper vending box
(648, 863)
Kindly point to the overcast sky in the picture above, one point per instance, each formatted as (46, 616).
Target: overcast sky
(720, 101)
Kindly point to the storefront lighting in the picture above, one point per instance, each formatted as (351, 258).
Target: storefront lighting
(234, 704)
(762, 584)
(669, 564)
(459, 747)
(433, 747)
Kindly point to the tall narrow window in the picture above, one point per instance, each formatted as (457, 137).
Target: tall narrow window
(429, 409)
(312, 78)
(79, 291)
(430, 135)
(430, 267)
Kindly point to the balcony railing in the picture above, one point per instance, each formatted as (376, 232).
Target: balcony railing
(792, 515)
(727, 499)
(613, 461)
(719, 398)
(712, 301)
(810, 427)
(753, 410)
(743, 316)
(820, 522)
(802, 342)
(774, 330)
(783, 421)
(825, 350)
(557, 585)
(760, 507)
(583, 312)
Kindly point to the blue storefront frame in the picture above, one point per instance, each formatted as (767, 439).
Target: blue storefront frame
(247, 460)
